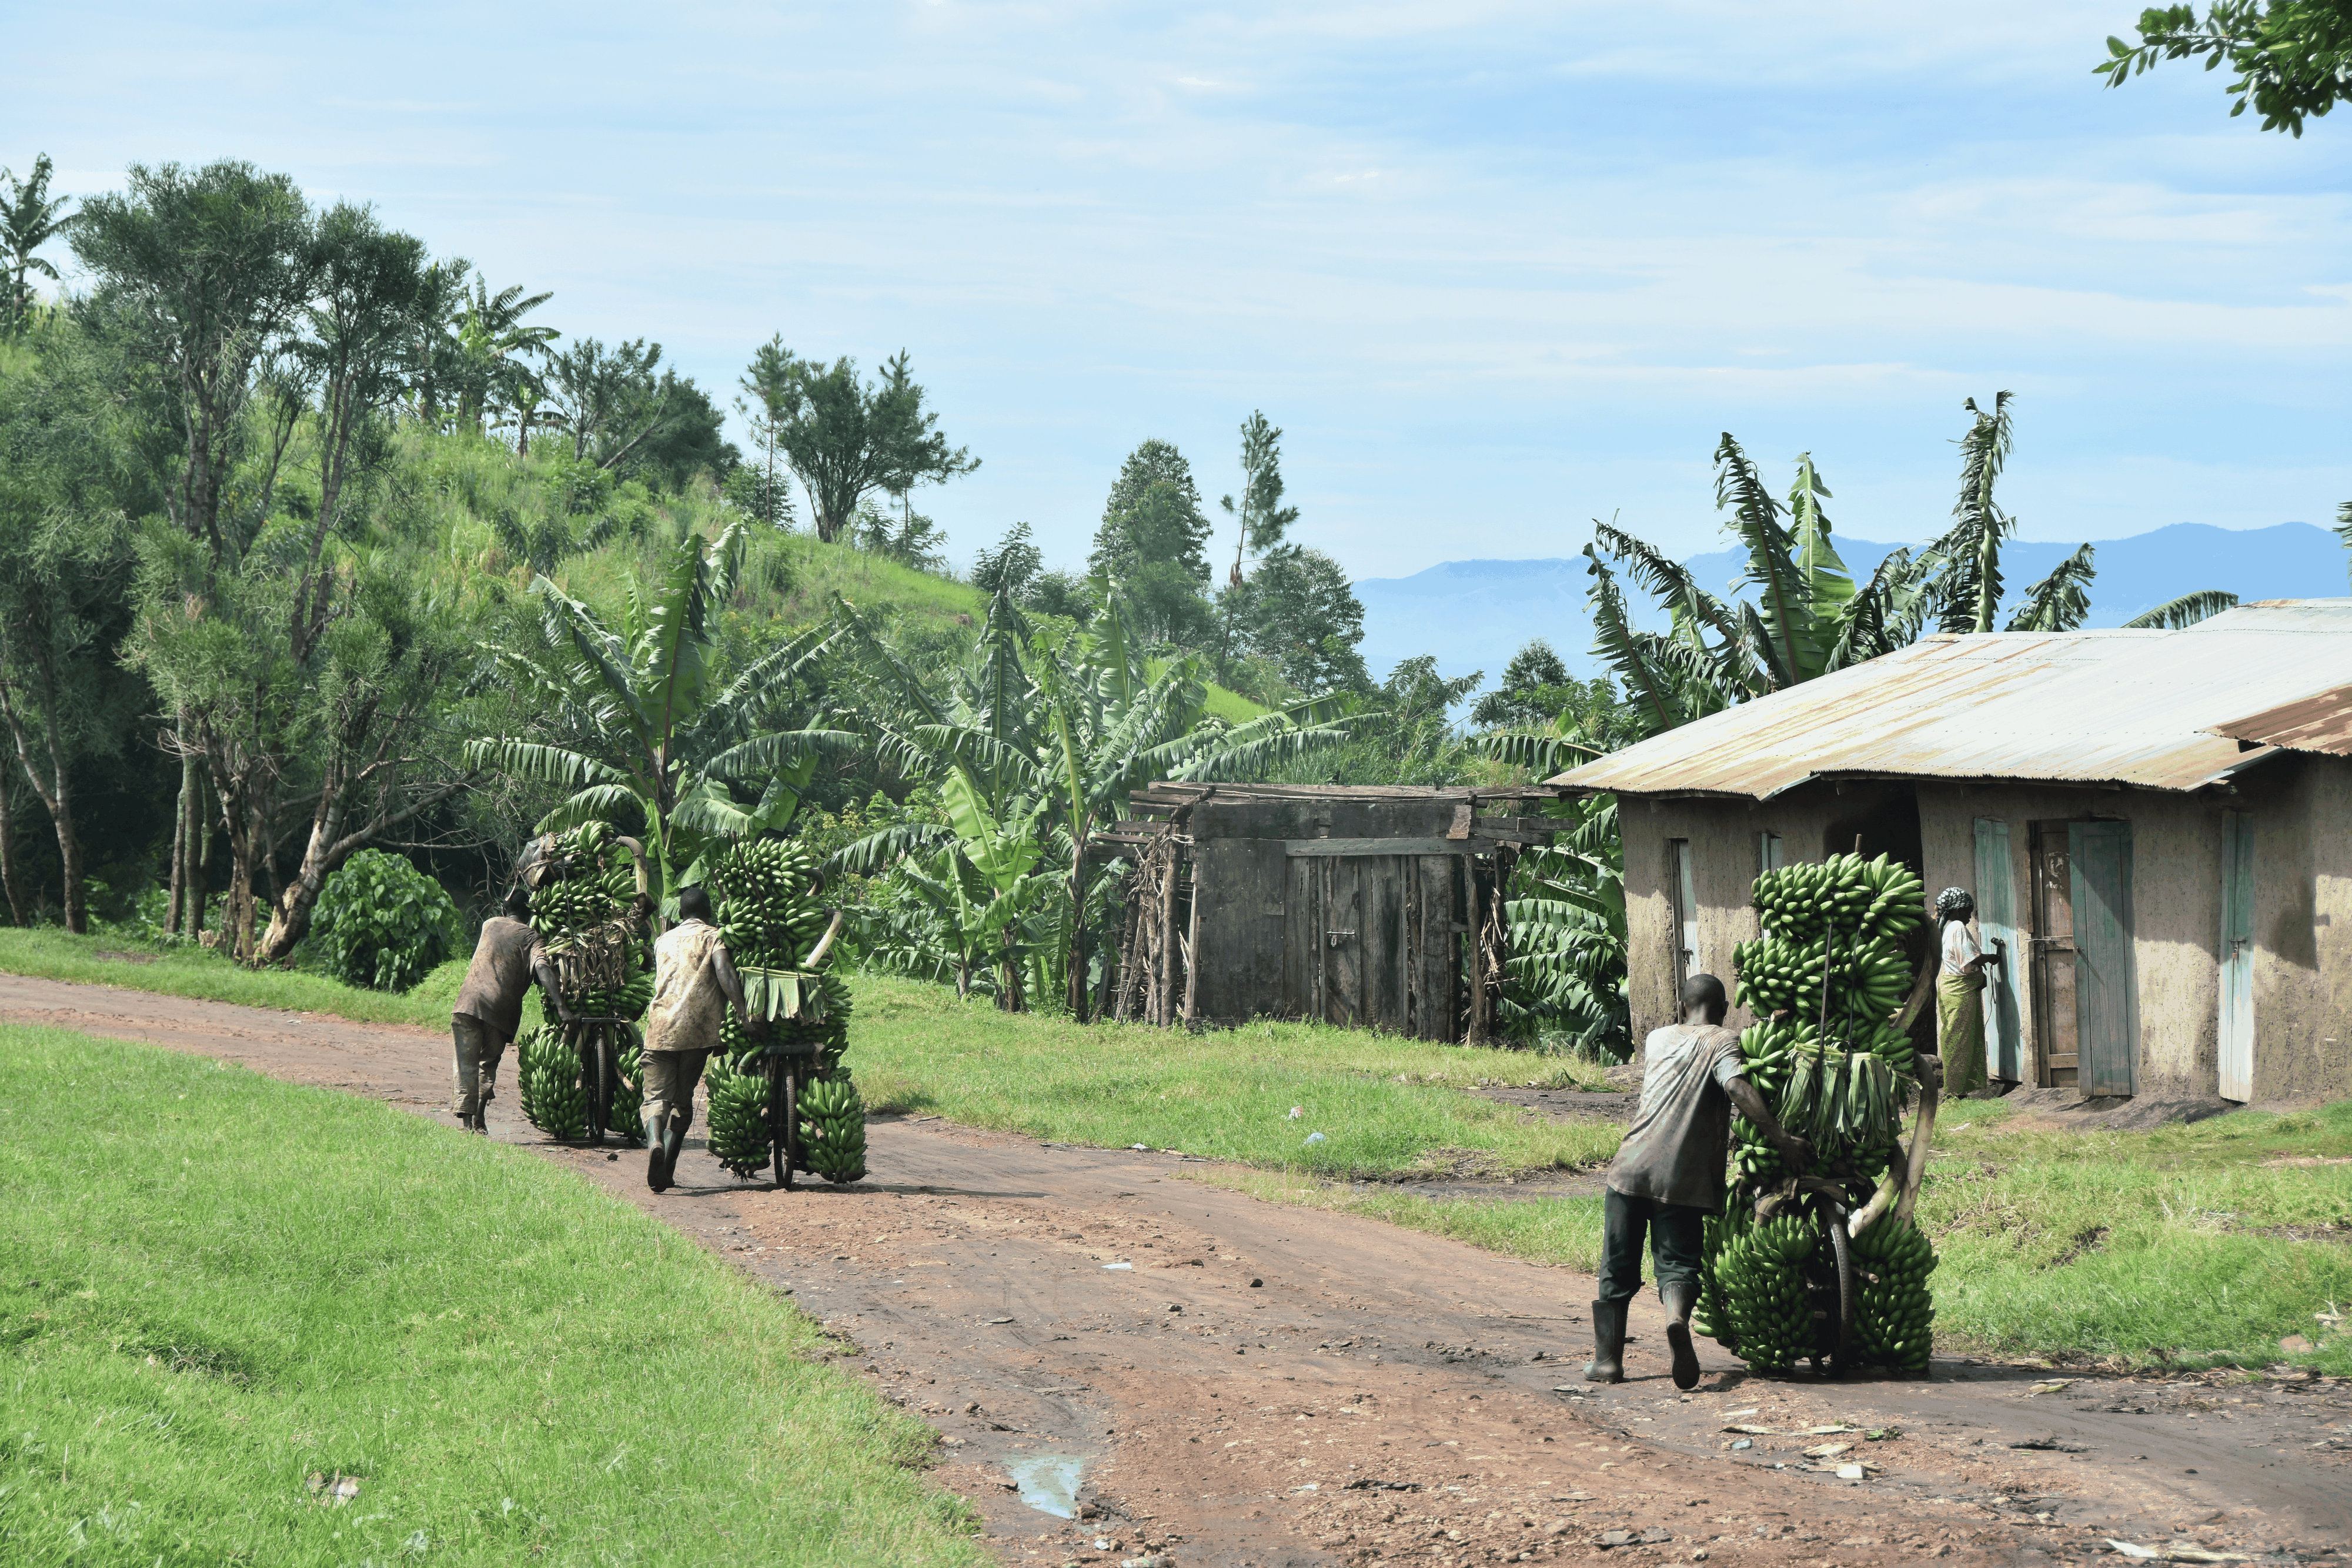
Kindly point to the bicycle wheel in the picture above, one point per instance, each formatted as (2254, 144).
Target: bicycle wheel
(1842, 1246)
(786, 1099)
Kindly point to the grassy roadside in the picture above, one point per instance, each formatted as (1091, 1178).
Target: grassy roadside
(183, 971)
(2191, 1245)
(1383, 1105)
(212, 1285)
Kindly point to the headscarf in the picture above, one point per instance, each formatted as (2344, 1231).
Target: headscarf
(1954, 903)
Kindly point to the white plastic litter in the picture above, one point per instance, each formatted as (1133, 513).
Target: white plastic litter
(1119, 1265)
(1316, 1139)
(1296, 1113)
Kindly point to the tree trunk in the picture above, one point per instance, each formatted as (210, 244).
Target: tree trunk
(8, 856)
(200, 860)
(179, 855)
(57, 793)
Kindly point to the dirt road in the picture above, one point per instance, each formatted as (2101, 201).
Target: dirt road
(1217, 1381)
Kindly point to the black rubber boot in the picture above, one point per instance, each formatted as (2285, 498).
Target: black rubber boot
(673, 1145)
(1681, 1296)
(656, 1160)
(1608, 1362)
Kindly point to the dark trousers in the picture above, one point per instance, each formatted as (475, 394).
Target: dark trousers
(1677, 1242)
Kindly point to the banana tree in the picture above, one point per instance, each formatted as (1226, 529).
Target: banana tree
(1049, 727)
(1566, 906)
(647, 715)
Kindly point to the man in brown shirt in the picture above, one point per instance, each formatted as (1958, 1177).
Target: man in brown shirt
(1668, 1175)
(507, 959)
(694, 984)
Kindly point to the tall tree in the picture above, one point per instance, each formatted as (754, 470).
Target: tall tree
(845, 439)
(2292, 58)
(1260, 520)
(196, 272)
(1301, 613)
(1154, 539)
(64, 564)
(29, 218)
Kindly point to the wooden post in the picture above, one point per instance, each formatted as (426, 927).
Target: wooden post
(1163, 992)
(1192, 951)
(1479, 1020)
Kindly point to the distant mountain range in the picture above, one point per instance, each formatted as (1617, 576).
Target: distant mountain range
(1474, 614)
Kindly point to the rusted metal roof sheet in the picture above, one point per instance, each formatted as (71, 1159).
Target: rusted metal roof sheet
(2137, 708)
(2320, 722)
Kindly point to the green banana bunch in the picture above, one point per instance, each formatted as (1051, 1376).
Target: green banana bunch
(1759, 1275)
(1712, 1316)
(628, 1116)
(738, 1127)
(1879, 900)
(1895, 1314)
(549, 1073)
(832, 1129)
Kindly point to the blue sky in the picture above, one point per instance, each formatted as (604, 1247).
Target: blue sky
(1496, 268)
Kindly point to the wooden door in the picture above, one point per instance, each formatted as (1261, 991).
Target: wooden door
(1373, 941)
(1995, 895)
(2236, 1034)
(2106, 993)
(2053, 966)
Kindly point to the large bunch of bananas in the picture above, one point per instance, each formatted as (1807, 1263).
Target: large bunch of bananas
(1825, 979)
(1759, 1280)
(605, 973)
(833, 1121)
(770, 914)
(1894, 1316)
(548, 1071)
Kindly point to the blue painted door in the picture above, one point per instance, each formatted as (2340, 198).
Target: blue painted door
(1996, 894)
(2106, 992)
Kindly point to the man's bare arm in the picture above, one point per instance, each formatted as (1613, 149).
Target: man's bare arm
(1792, 1148)
(731, 986)
(542, 970)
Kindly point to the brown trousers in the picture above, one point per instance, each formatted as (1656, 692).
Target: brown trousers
(670, 1078)
(478, 1048)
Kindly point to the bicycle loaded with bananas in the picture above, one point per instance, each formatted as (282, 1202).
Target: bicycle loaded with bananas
(1825, 1264)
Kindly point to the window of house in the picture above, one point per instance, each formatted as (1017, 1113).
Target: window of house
(1684, 893)
(1768, 853)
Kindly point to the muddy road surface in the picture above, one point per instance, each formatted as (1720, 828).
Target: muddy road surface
(1130, 1363)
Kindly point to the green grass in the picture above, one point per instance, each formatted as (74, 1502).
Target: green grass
(1221, 1094)
(183, 971)
(2160, 1245)
(214, 1285)
(2157, 1247)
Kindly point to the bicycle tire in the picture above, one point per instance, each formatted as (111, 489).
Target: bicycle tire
(1842, 1246)
(788, 1135)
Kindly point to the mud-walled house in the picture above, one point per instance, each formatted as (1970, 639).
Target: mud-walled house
(2156, 824)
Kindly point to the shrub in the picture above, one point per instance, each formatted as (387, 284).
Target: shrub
(383, 924)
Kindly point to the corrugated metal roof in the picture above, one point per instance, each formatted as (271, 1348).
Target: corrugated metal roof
(2074, 707)
(2320, 722)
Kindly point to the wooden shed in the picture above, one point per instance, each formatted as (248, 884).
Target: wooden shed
(1369, 907)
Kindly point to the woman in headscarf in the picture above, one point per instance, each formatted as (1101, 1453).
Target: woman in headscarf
(1960, 1014)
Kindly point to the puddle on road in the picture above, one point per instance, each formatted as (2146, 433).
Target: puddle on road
(1049, 1484)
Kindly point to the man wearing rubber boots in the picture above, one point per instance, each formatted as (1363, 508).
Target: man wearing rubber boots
(507, 959)
(1668, 1175)
(694, 984)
